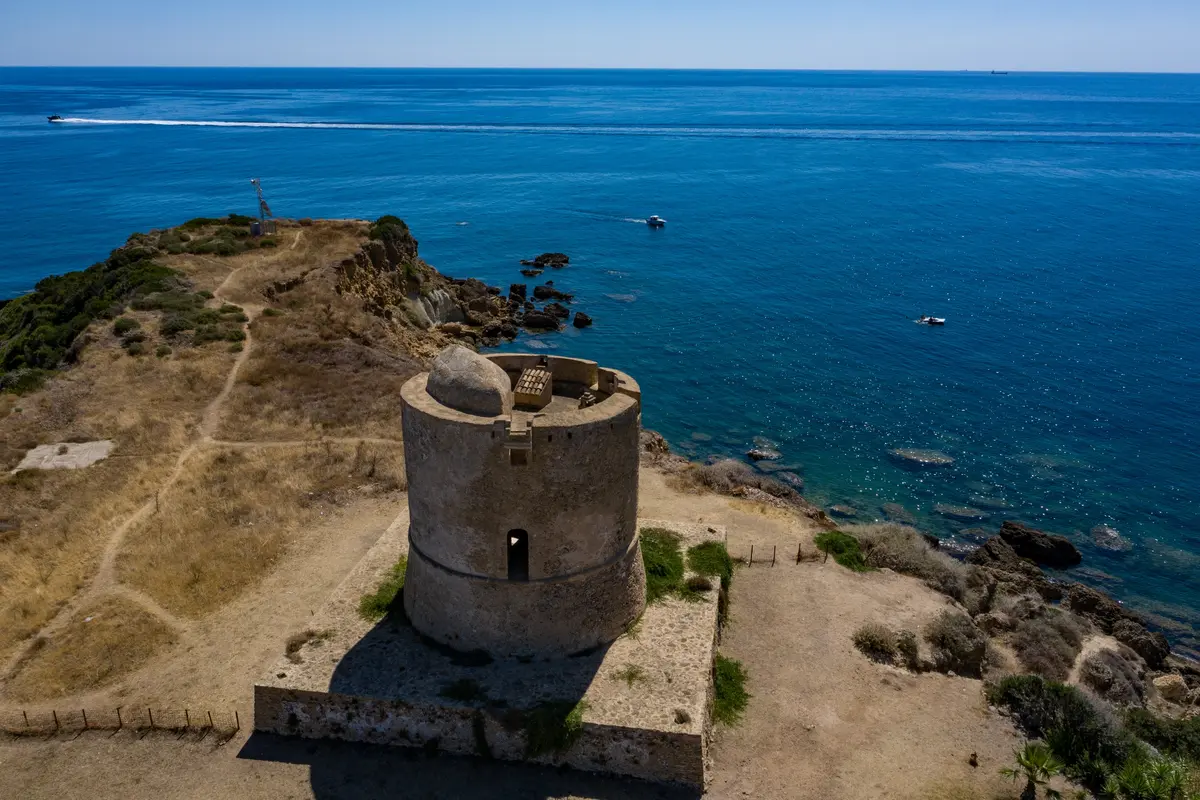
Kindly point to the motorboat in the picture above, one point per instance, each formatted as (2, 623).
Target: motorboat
(927, 320)
(656, 221)
(54, 118)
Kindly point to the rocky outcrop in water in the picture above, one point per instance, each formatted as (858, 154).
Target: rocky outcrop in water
(581, 320)
(920, 459)
(1108, 538)
(1047, 549)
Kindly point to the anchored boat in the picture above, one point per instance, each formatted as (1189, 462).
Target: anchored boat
(656, 221)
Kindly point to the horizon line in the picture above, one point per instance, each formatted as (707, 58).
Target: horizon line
(959, 70)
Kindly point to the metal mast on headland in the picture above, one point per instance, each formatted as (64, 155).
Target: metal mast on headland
(264, 210)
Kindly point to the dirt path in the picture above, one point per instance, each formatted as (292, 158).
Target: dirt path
(104, 581)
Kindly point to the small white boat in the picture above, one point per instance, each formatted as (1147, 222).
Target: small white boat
(926, 320)
(54, 118)
(656, 221)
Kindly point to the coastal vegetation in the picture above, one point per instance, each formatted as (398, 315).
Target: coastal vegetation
(844, 549)
(730, 697)
(375, 606)
(663, 562)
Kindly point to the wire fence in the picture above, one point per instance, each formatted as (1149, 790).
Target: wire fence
(203, 722)
(773, 555)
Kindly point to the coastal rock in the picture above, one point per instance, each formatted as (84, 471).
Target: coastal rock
(994, 623)
(763, 454)
(920, 459)
(843, 511)
(517, 291)
(1171, 687)
(477, 319)
(547, 292)
(556, 260)
(1048, 549)
(508, 330)
(791, 479)
(480, 304)
(1109, 538)
(1097, 607)
(538, 320)
(531, 273)
(894, 512)
(582, 320)
(961, 513)
(1014, 574)
(557, 310)
(991, 503)
(1150, 645)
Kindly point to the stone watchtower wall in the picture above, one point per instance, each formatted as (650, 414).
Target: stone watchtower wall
(523, 537)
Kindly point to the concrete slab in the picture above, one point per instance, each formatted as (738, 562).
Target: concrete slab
(646, 698)
(66, 455)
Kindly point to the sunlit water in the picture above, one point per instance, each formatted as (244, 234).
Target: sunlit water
(1052, 219)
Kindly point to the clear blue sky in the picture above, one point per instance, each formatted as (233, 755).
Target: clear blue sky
(1088, 35)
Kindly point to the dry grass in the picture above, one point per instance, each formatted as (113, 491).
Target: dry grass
(231, 514)
(118, 639)
(1048, 644)
(903, 549)
(56, 523)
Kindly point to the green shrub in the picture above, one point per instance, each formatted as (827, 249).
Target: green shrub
(1090, 742)
(711, 559)
(173, 324)
(729, 690)
(844, 548)
(124, 325)
(375, 606)
(553, 726)
(207, 295)
(133, 337)
(388, 226)
(268, 243)
(229, 308)
(305, 222)
(272, 312)
(958, 646)
(136, 349)
(663, 560)
(236, 347)
(464, 690)
(1176, 737)
(876, 642)
(23, 381)
(162, 351)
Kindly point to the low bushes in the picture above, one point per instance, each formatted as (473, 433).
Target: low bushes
(844, 548)
(729, 690)
(1048, 644)
(905, 550)
(1114, 677)
(958, 646)
(1177, 737)
(876, 642)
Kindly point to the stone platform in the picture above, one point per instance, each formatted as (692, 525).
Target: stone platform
(646, 698)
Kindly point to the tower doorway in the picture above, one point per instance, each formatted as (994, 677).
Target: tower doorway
(518, 555)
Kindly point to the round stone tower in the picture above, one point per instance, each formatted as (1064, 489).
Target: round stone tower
(522, 492)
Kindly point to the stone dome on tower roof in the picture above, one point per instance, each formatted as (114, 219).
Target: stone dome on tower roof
(468, 382)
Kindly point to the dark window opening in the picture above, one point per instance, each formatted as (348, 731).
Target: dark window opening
(518, 555)
(518, 458)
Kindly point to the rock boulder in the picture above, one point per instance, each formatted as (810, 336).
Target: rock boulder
(1047, 549)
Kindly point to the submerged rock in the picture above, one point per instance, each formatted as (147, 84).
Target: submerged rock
(531, 273)
(993, 503)
(962, 513)
(763, 454)
(1109, 538)
(1048, 549)
(791, 479)
(843, 511)
(921, 459)
(894, 512)
(582, 320)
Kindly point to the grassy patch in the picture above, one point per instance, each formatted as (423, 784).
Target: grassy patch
(464, 690)
(711, 559)
(729, 690)
(663, 560)
(631, 674)
(904, 550)
(296, 642)
(844, 548)
(375, 606)
(553, 726)
(1047, 645)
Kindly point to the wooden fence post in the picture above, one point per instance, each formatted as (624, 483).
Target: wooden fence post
(236, 721)
(773, 549)
(26, 716)
(799, 551)
(210, 722)
(120, 722)
(751, 556)
(55, 715)
(84, 712)
(150, 714)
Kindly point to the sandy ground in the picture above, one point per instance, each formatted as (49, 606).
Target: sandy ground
(823, 722)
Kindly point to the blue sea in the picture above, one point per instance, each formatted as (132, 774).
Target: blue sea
(1052, 219)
